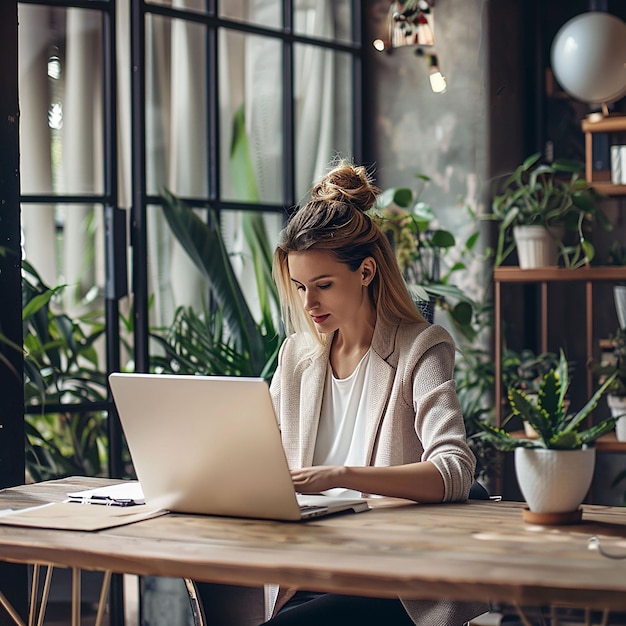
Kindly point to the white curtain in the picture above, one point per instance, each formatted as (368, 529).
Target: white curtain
(315, 97)
(82, 153)
(36, 168)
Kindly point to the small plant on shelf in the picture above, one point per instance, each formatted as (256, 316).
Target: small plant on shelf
(553, 196)
(548, 415)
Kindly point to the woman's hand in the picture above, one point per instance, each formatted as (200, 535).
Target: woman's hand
(316, 479)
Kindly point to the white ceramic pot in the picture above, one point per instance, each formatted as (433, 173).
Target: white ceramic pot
(619, 296)
(554, 481)
(536, 246)
(617, 404)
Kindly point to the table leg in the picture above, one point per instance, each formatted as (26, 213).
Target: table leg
(104, 592)
(76, 594)
(33, 595)
(44, 594)
(10, 610)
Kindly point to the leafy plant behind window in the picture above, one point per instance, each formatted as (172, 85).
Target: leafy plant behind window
(60, 367)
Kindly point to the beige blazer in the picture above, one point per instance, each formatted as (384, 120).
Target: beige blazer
(413, 415)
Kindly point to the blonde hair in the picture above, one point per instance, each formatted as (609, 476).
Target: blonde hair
(335, 219)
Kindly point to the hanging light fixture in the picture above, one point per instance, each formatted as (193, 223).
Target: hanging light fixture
(409, 23)
(412, 23)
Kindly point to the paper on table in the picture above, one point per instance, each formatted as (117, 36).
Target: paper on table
(127, 493)
(69, 516)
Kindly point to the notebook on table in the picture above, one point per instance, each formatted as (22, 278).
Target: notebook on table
(211, 445)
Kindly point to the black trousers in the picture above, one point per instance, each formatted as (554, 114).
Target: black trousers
(330, 609)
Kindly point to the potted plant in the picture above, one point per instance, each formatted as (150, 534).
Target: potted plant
(613, 365)
(555, 470)
(422, 249)
(544, 201)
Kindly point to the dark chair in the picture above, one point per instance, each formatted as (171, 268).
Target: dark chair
(478, 492)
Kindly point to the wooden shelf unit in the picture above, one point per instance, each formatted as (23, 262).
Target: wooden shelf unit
(543, 277)
(601, 179)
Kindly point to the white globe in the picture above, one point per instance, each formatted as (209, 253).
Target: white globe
(589, 57)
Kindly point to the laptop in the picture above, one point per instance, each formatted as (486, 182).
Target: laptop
(211, 445)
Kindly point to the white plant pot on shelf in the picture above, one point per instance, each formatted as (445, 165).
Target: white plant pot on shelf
(619, 297)
(554, 481)
(536, 247)
(617, 404)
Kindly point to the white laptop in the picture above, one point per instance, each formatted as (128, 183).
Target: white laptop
(211, 445)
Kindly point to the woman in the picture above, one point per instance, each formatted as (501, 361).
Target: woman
(363, 390)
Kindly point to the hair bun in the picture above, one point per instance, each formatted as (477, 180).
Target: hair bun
(346, 183)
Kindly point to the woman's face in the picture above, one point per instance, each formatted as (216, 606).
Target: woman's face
(332, 294)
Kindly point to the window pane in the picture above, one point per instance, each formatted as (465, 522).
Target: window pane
(325, 19)
(66, 444)
(176, 107)
(195, 339)
(323, 111)
(266, 13)
(173, 279)
(251, 118)
(190, 5)
(60, 82)
(64, 244)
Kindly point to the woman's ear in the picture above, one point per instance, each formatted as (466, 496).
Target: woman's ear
(368, 270)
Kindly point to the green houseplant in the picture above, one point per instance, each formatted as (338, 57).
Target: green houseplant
(552, 199)
(228, 334)
(554, 470)
(423, 250)
(524, 370)
(61, 366)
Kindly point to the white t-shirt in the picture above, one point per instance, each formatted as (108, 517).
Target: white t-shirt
(341, 431)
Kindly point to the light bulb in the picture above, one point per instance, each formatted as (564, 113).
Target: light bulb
(437, 81)
(379, 44)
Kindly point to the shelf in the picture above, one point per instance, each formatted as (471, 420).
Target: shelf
(514, 274)
(609, 443)
(609, 189)
(606, 443)
(600, 180)
(610, 124)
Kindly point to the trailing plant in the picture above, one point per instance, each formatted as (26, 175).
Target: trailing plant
(547, 195)
(548, 415)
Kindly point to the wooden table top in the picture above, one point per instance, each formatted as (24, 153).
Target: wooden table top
(481, 550)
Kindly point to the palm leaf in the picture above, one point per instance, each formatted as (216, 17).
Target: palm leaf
(205, 246)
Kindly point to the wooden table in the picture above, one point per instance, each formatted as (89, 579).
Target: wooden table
(481, 550)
